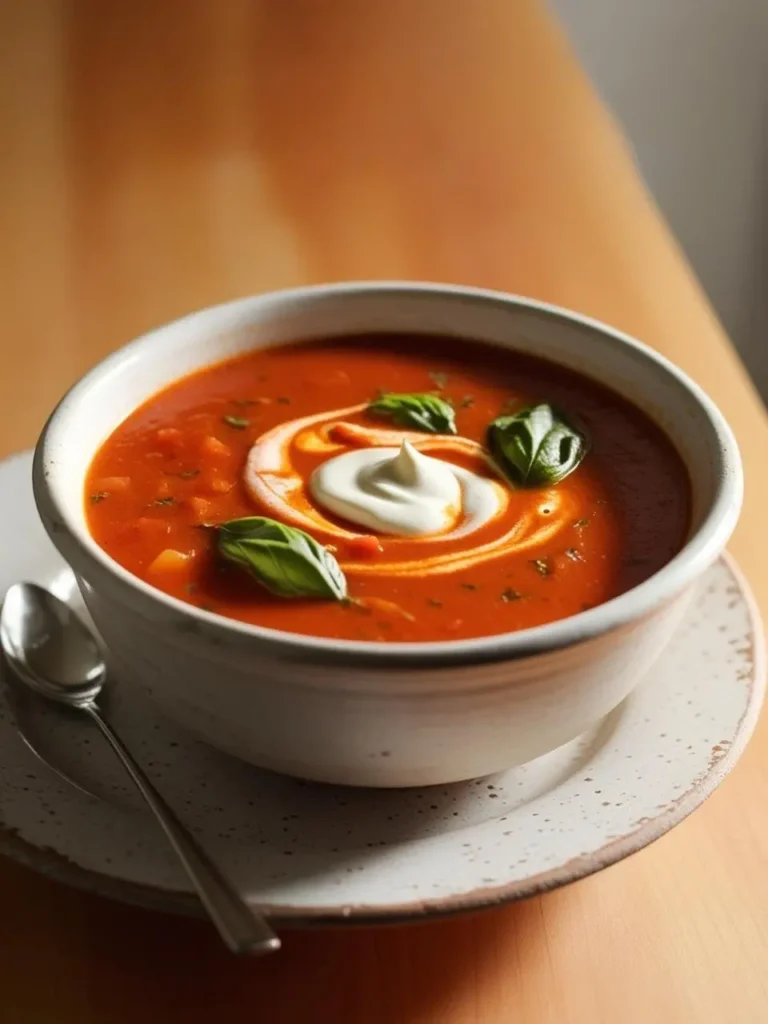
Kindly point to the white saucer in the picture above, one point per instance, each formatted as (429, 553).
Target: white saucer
(310, 853)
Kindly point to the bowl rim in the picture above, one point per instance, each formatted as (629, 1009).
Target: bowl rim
(699, 551)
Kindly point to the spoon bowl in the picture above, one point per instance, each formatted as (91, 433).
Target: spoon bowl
(49, 648)
(56, 655)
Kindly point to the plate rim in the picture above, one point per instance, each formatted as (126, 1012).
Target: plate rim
(57, 866)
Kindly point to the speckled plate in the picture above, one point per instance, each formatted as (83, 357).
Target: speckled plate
(313, 854)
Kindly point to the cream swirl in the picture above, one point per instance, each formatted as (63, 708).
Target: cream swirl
(402, 491)
(526, 520)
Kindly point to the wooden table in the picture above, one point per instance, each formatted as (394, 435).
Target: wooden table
(158, 157)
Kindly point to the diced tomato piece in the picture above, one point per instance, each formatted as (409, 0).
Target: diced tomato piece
(346, 433)
(170, 560)
(201, 508)
(148, 528)
(219, 485)
(214, 447)
(364, 547)
(170, 440)
(112, 484)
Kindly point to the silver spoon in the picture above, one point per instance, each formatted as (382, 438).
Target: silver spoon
(54, 653)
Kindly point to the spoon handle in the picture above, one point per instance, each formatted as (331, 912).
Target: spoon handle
(242, 930)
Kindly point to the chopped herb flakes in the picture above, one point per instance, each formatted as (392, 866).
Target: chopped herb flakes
(542, 566)
(438, 378)
(243, 402)
(283, 401)
(435, 602)
(236, 422)
(579, 524)
(185, 474)
(99, 496)
(164, 501)
(574, 554)
(510, 594)
(469, 586)
(467, 402)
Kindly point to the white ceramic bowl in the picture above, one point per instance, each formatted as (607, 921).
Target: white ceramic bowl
(371, 713)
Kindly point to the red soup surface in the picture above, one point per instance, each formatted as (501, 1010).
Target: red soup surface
(206, 450)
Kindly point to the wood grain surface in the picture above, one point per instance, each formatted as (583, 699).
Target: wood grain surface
(161, 156)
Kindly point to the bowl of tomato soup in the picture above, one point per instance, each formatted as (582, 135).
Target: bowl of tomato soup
(386, 534)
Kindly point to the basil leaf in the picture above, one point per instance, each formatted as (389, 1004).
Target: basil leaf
(287, 561)
(429, 413)
(536, 446)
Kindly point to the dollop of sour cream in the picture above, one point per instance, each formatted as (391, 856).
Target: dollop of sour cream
(403, 492)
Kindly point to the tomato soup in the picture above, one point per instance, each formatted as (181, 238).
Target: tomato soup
(389, 488)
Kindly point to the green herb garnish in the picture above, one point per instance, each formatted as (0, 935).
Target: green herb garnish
(542, 566)
(236, 422)
(510, 594)
(579, 524)
(283, 401)
(429, 413)
(284, 560)
(438, 378)
(435, 602)
(469, 586)
(164, 501)
(99, 496)
(467, 402)
(536, 446)
(574, 554)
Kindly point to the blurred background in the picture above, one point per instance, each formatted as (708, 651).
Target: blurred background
(688, 80)
(160, 155)
(157, 156)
